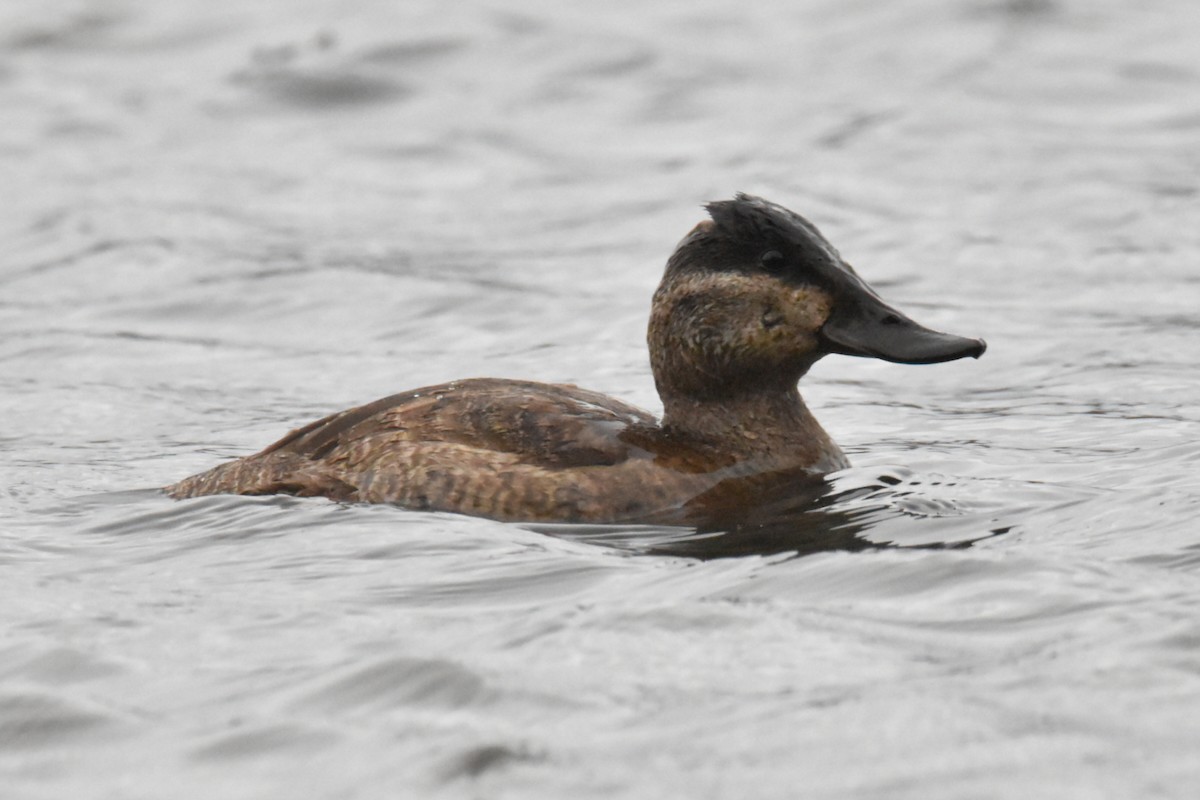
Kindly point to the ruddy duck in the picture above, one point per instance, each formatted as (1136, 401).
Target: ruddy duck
(750, 299)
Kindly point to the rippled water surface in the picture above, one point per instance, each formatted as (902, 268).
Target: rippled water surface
(225, 219)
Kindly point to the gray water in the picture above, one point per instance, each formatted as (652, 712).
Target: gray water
(225, 219)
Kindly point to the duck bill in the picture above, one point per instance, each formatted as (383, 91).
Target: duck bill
(867, 326)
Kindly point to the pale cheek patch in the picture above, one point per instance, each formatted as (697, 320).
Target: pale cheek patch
(789, 323)
(806, 308)
(724, 319)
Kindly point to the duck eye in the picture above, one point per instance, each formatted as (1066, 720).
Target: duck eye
(772, 261)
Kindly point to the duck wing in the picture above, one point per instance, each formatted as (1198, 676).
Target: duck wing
(456, 446)
(542, 424)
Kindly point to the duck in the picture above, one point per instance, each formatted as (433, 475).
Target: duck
(750, 299)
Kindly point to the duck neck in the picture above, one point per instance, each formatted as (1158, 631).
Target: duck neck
(770, 423)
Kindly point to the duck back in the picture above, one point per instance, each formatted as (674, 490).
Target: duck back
(512, 450)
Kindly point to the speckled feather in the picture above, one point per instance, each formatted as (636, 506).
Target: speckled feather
(504, 449)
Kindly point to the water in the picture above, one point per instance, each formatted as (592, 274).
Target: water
(226, 219)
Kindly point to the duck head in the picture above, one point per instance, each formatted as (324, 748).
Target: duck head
(754, 296)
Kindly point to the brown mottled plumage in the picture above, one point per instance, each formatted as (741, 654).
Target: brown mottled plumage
(749, 301)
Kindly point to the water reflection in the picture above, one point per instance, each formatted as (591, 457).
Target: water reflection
(798, 514)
